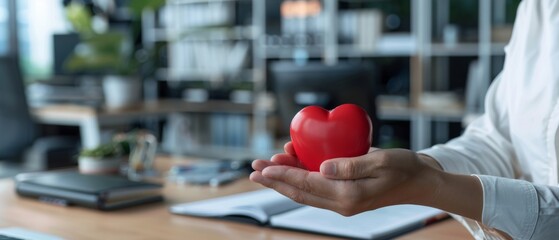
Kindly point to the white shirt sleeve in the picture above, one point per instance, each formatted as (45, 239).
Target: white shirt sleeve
(485, 147)
(519, 208)
(511, 206)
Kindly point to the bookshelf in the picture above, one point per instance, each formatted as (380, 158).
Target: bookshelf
(211, 41)
(429, 57)
(426, 78)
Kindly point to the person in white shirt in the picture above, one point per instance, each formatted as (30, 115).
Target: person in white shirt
(503, 170)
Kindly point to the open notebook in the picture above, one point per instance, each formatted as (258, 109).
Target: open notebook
(267, 207)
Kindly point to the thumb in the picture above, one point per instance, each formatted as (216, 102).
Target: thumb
(289, 149)
(346, 168)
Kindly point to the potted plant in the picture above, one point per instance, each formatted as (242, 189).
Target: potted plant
(110, 53)
(242, 92)
(105, 158)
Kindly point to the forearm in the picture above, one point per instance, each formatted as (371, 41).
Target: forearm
(459, 194)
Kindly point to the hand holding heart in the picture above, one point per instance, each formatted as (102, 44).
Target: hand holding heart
(346, 184)
(350, 185)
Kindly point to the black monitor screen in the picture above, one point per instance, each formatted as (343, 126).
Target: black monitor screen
(297, 86)
(64, 45)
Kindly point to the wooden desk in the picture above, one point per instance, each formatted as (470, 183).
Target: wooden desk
(155, 222)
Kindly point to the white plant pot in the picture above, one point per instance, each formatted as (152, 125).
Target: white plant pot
(90, 165)
(241, 96)
(121, 91)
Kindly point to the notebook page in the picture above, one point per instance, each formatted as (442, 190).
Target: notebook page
(372, 224)
(257, 204)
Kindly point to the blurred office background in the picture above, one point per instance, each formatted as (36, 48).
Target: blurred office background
(222, 78)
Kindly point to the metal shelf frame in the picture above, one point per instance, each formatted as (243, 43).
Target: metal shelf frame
(423, 56)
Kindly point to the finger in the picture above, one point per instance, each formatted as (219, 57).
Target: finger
(354, 168)
(288, 148)
(294, 193)
(310, 182)
(257, 177)
(285, 159)
(259, 165)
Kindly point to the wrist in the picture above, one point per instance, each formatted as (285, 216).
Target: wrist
(431, 180)
(431, 162)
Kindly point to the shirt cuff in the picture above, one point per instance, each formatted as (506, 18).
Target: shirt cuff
(509, 205)
(449, 161)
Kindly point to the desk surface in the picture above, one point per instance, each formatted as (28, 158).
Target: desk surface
(155, 222)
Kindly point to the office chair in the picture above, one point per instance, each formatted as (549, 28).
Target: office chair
(16, 125)
(297, 86)
(18, 131)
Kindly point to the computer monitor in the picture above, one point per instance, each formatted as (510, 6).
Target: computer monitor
(63, 47)
(297, 86)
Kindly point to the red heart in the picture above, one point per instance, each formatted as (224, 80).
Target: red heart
(318, 134)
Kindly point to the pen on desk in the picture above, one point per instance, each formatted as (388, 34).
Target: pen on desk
(225, 178)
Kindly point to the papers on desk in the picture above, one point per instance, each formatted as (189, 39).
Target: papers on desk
(22, 233)
(267, 207)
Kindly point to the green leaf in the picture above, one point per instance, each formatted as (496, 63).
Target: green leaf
(80, 18)
(108, 150)
(108, 52)
(137, 6)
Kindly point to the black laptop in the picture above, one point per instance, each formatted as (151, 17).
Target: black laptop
(103, 192)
